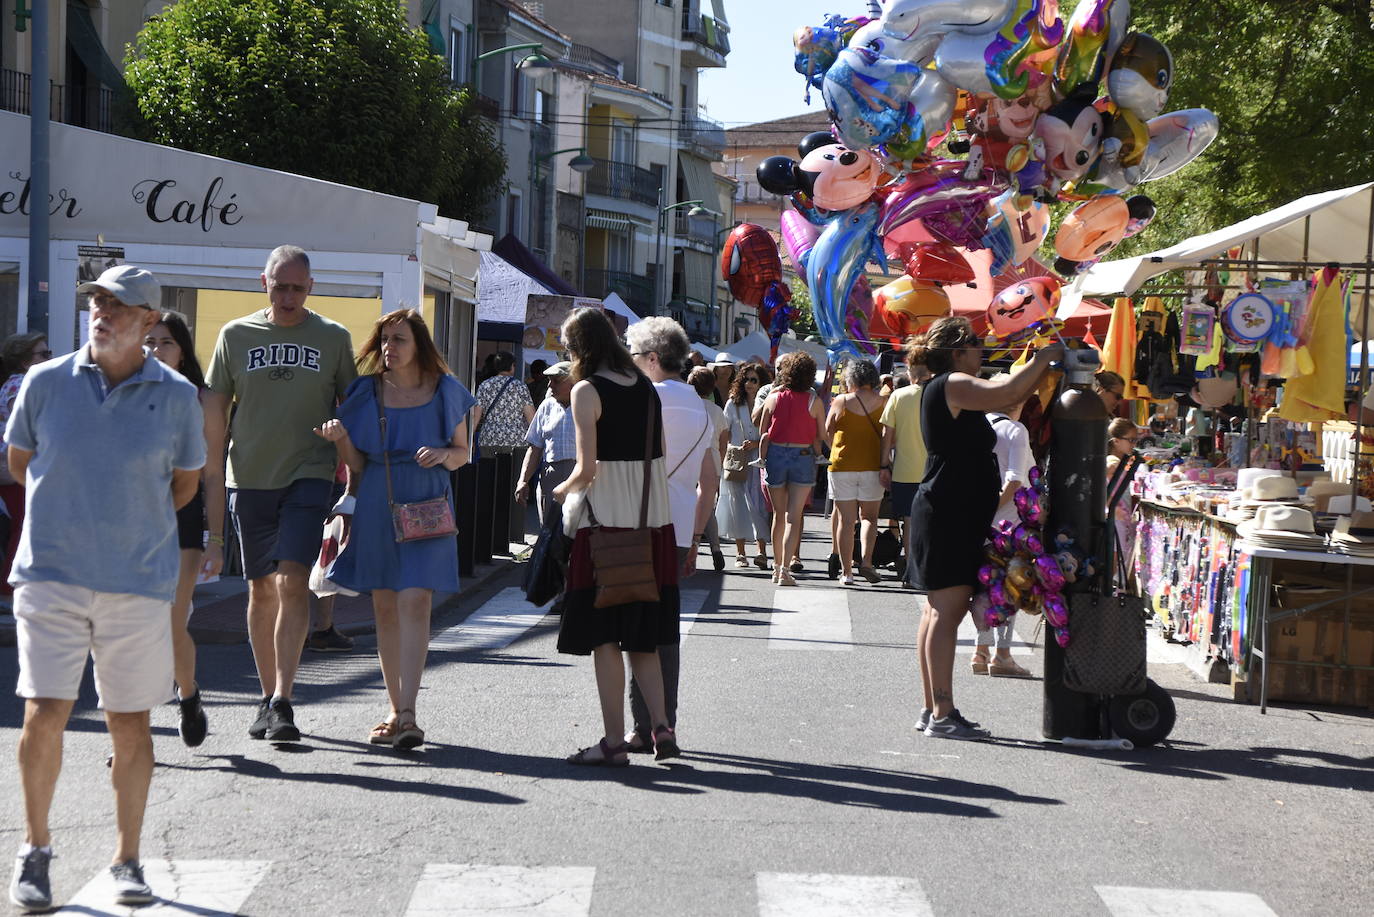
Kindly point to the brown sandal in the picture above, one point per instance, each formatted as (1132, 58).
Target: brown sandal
(384, 733)
(408, 734)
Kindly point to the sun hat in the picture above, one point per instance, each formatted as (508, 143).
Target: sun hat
(1282, 526)
(128, 283)
(1273, 489)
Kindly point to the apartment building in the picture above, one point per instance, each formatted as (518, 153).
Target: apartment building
(653, 153)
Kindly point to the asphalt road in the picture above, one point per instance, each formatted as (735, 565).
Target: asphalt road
(804, 788)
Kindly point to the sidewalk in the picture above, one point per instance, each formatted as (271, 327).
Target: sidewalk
(220, 609)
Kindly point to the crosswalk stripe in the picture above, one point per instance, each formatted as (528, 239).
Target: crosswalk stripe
(1122, 901)
(507, 891)
(784, 894)
(810, 619)
(497, 624)
(690, 604)
(208, 888)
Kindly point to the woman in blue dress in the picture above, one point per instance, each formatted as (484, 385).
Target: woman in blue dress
(426, 439)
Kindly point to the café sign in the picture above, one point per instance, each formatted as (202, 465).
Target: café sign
(107, 186)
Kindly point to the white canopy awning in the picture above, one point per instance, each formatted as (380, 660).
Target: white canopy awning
(1330, 226)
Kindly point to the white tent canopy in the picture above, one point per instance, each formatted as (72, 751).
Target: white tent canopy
(1330, 226)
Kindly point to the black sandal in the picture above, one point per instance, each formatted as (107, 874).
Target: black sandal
(665, 744)
(610, 757)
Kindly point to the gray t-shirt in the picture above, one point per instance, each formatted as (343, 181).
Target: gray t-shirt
(100, 512)
(286, 382)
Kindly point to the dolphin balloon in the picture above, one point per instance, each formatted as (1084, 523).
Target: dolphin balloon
(834, 265)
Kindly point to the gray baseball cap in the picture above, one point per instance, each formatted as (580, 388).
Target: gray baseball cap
(129, 284)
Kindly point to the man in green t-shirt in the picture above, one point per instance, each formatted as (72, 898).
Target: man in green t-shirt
(284, 368)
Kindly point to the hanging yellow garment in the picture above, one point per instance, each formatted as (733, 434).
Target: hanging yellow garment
(1118, 352)
(1320, 395)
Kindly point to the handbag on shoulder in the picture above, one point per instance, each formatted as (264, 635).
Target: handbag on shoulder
(419, 520)
(735, 465)
(623, 559)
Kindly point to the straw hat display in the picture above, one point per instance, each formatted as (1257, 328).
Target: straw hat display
(1354, 535)
(1283, 526)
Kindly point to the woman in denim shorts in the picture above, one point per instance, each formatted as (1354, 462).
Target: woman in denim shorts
(794, 425)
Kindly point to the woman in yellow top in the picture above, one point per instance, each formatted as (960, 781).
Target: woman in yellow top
(853, 424)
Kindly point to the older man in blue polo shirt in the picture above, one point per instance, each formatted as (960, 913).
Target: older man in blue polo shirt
(552, 451)
(110, 443)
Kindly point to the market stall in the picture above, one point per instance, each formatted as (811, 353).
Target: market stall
(1245, 330)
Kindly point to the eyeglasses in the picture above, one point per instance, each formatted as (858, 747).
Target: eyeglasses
(43, 354)
(641, 353)
(753, 379)
(1118, 395)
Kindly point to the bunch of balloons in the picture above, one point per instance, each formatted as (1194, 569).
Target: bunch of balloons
(1022, 572)
(1046, 109)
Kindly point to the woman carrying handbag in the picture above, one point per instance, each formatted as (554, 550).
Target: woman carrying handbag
(403, 427)
(622, 592)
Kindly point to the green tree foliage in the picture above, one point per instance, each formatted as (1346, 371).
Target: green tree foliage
(342, 90)
(1292, 82)
(804, 324)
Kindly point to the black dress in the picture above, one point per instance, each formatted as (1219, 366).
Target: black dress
(957, 499)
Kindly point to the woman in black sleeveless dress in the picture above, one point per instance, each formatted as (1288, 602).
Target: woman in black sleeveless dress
(957, 499)
(616, 413)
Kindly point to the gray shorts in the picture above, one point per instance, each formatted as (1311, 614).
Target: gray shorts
(277, 525)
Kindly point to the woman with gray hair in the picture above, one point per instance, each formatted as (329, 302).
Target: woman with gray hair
(853, 425)
(659, 348)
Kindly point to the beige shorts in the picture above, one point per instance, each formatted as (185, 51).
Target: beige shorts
(864, 486)
(129, 636)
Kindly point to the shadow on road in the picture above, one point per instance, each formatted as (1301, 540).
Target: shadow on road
(1324, 769)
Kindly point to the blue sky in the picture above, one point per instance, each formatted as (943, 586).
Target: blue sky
(758, 82)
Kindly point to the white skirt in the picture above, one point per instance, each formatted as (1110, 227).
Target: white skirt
(740, 512)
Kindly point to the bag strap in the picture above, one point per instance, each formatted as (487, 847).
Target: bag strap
(875, 427)
(700, 436)
(494, 402)
(648, 460)
(381, 425)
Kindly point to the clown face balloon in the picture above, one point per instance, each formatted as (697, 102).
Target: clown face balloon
(1093, 228)
(1023, 304)
(840, 178)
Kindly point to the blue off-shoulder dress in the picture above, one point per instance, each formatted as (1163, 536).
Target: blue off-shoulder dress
(372, 559)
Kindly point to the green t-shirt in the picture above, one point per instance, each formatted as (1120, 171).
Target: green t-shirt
(903, 415)
(285, 382)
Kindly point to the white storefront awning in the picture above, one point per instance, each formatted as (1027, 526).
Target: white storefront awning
(1330, 226)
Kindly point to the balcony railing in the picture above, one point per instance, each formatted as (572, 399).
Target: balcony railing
(705, 31)
(82, 106)
(635, 290)
(624, 181)
(486, 106)
(591, 59)
(703, 133)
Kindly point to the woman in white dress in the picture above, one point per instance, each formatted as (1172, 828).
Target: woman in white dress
(740, 512)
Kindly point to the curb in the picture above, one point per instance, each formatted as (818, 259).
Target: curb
(204, 636)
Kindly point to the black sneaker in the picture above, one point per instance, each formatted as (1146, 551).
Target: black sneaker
(259, 727)
(832, 566)
(718, 560)
(194, 724)
(328, 640)
(281, 722)
(129, 887)
(30, 888)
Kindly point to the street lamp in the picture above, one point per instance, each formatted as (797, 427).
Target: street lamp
(535, 64)
(700, 211)
(658, 245)
(580, 163)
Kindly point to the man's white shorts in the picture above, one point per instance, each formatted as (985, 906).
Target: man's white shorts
(864, 486)
(130, 637)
